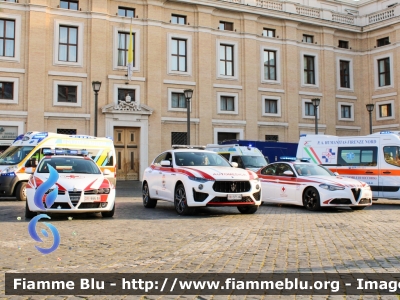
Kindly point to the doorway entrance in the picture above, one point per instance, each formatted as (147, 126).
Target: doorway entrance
(126, 143)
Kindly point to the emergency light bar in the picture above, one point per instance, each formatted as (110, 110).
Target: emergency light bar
(287, 158)
(188, 147)
(65, 152)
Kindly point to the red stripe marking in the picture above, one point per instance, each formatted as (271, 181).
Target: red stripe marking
(229, 203)
(315, 154)
(204, 174)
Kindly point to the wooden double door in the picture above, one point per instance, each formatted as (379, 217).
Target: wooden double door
(126, 143)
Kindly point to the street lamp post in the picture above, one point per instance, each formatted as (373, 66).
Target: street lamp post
(96, 88)
(188, 96)
(315, 103)
(370, 108)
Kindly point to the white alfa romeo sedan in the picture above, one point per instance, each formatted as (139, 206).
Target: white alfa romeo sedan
(69, 184)
(312, 186)
(191, 177)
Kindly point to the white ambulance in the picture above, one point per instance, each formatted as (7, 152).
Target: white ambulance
(374, 159)
(246, 157)
(27, 150)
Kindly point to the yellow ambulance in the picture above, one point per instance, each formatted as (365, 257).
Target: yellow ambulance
(27, 150)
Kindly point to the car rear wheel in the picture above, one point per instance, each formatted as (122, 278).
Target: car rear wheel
(248, 209)
(108, 214)
(357, 207)
(311, 199)
(180, 201)
(147, 201)
(28, 213)
(20, 191)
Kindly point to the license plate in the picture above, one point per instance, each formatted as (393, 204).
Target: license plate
(235, 197)
(92, 198)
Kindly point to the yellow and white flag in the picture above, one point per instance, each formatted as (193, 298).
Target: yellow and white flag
(130, 55)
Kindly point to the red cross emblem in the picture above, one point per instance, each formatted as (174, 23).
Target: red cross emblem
(72, 176)
(283, 189)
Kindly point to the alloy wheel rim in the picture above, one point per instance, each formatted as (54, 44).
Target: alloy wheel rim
(145, 194)
(180, 197)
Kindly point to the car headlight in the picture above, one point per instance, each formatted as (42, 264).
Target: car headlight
(10, 171)
(331, 187)
(199, 179)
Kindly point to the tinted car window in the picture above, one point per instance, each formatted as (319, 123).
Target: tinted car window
(68, 165)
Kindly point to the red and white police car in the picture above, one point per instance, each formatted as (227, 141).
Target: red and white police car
(312, 186)
(80, 184)
(191, 177)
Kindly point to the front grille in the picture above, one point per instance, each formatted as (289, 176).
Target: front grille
(340, 201)
(257, 196)
(364, 201)
(74, 197)
(89, 205)
(59, 205)
(225, 199)
(231, 186)
(356, 193)
(199, 197)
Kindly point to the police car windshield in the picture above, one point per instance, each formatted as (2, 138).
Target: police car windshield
(68, 165)
(200, 159)
(14, 154)
(253, 161)
(312, 170)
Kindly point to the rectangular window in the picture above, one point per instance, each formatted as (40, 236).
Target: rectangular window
(126, 12)
(222, 136)
(227, 103)
(383, 41)
(7, 38)
(66, 131)
(69, 4)
(178, 19)
(123, 45)
(225, 26)
(269, 32)
(309, 69)
(269, 65)
(178, 100)
(309, 109)
(7, 90)
(273, 138)
(67, 93)
(344, 74)
(345, 111)
(179, 138)
(226, 60)
(308, 38)
(68, 44)
(271, 106)
(179, 56)
(356, 156)
(384, 71)
(385, 110)
(123, 93)
(343, 44)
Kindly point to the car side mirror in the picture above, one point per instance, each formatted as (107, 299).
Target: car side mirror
(165, 163)
(288, 173)
(29, 170)
(336, 173)
(106, 172)
(234, 164)
(32, 162)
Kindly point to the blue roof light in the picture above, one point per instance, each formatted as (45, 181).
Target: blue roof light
(288, 158)
(19, 138)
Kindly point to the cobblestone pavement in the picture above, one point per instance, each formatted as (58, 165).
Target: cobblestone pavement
(275, 239)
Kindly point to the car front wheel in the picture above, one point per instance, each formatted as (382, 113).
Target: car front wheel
(180, 201)
(311, 199)
(147, 201)
(248, 209)
(28, 213)
(108, 214)
(20, 191)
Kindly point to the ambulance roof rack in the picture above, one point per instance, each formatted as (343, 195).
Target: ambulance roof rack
(188, 147)
(49, 152)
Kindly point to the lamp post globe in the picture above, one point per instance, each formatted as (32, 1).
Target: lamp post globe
(96, 88)
(315, 103)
